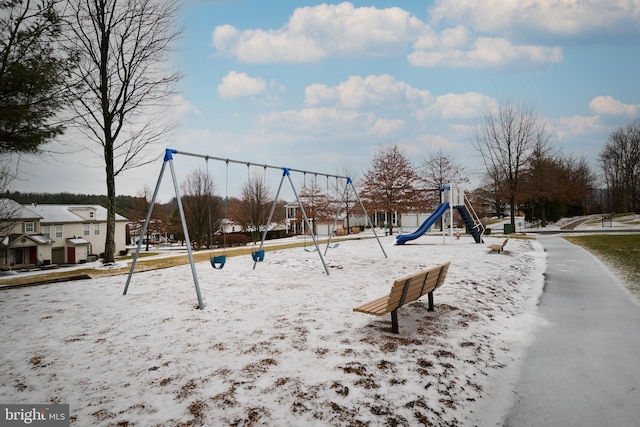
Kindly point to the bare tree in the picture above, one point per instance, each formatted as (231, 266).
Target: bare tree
(437, 170)
(620, 162)
(138, 215)
(345, 194)
(123, 46)
(9, 210)
(200, 207)
(390, 184)
(505, 141)
(255, 205)
(316, 202)
(555, 181)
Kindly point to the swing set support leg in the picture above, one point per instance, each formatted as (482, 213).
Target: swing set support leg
(286, 173)
(266, 226)
(350, 182)
(168, 159)
(335, 219)
(307, 222)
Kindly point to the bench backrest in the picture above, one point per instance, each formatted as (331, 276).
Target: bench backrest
(412, 287)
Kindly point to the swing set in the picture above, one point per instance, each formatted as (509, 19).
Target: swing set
(218, 261)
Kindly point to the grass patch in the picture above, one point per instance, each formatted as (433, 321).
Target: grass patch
(620, 251)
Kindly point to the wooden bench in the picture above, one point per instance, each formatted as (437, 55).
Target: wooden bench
(406, 290)
(498, 248)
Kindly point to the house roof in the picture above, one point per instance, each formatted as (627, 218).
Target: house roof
(40, 239)
(57, 214)
(77, 241)
(16, 211)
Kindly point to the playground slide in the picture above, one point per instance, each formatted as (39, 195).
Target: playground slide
(440, 210)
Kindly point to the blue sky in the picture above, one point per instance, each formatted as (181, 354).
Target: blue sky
(322, 86)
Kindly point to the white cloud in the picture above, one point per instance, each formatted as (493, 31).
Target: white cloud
(182, 107)
(567, 127)
(610, 106)
(450, 38)
(465, 105)
(314, 33)
(483, 52)
(318, 32)
(551, 17)
(459, 106)
(435, 143)
(388, 128)
(236, 84)
(317, 120)
(363, 92)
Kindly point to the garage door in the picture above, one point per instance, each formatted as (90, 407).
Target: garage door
(57, 255)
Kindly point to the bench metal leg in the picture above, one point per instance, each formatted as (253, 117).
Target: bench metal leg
(430, 295)
(394, 322)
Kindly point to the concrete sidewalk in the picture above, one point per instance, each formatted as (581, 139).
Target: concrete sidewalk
(583, 369)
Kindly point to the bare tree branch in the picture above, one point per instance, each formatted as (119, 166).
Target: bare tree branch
(126, 83)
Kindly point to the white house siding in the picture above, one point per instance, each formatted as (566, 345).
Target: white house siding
(57, 234)
(74, 218)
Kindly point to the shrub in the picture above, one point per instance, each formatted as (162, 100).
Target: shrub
(232, 239)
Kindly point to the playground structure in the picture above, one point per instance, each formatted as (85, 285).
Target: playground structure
(259, 254)
(451, 197)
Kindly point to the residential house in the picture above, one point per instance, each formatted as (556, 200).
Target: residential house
(45, 234)
(295, 223)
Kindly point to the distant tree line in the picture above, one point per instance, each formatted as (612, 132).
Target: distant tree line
(620, 162)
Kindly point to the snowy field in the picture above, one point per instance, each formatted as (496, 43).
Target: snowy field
(280, 345)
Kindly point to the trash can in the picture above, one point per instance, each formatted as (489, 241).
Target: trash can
(508, 229)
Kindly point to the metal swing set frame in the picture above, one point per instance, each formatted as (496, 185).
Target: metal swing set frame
(257, 255)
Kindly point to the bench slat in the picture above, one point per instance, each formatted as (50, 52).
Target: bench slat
(376, 307)
(406, 290)
(418, 287)
(497, 247)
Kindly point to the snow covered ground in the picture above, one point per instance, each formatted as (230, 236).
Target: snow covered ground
(280, 345)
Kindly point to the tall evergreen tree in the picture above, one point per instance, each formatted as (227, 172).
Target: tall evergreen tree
(34, 74)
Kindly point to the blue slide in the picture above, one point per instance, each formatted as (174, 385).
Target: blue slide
(440, 210)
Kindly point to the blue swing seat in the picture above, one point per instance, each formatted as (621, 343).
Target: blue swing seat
(217, 262)
(258, 256)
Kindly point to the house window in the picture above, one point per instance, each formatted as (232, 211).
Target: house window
(58, 231)
(29, 227)
(91, 214)
(46, 230)
(86, 229)
(96, 229)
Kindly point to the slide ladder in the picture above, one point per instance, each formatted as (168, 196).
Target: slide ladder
(475, 228)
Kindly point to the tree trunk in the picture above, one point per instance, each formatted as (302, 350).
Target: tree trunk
(110, 244)
(512, 209)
